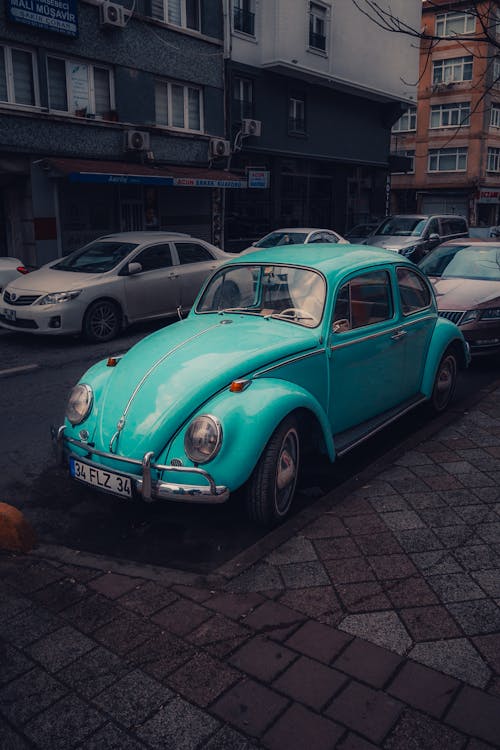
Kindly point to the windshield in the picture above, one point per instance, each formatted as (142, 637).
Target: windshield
(457, 261)
(97, 257)
(282, 238)
(402, 226)
(284, 292)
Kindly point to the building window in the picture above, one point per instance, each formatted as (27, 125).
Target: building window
(453, 70)
(242, 98)
(244, 17)
(17, 76)
(411, 156)
(317, 27)
(493, 160)
(296, 115)
(495, 116)
(450, 115)
(452, 24)
(407, 121)
(185, 13)
(178, 106)
(78, 88)
(496, 70)
(448, 159)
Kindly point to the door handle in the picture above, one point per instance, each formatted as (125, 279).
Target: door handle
(398, 335)
(172, 275)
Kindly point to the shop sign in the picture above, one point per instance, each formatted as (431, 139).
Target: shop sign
(201, 182)
(489, 196)
(258, 178)
(139, 179)
(60, 16)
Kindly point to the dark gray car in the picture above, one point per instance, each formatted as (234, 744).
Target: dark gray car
(414, 235)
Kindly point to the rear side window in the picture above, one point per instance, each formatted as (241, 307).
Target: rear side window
(414, 293)
(363, 301)
(191, 252)
(156, 256)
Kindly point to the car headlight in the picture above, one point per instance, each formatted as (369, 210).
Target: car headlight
(79, 403)
(55, 297)
(490, 313)
(470, 316)
(406, 251)
(203, 439)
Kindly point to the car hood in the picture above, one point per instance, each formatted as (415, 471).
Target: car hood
(390, 242)
(465, 294)
(47, 280)
(169, 375)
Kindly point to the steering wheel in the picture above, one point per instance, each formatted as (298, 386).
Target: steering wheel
(296, 312)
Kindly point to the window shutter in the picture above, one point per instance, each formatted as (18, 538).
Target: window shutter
(194, 122)
(177, 106)
(158, 10)
(24, 86)
(174, 12)
(3, 77)
(161, 103)
(101, 91)
(58, 98)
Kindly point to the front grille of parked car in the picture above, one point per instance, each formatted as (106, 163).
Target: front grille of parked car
(455, 317)
(24, 299)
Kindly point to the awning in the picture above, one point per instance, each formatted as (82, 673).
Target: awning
(125, 173)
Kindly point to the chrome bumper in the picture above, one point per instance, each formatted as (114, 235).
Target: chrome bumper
(148, 488)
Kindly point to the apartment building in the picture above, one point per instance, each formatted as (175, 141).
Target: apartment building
(107, 121)
(324, 85)
(452, 135)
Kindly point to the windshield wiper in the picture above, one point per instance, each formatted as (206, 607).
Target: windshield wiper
(234, 309)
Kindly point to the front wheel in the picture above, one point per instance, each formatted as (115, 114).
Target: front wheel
(102, 321)
(271, 487)
(444, 382)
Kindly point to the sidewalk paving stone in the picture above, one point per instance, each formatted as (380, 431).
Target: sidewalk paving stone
(310, 682)
(203, 679)
(29, 694)
(64, 725)
(250, 707)
(263, 658)
(368, 662)
(368, 711)
(177, 726)
(416, 731)
(423, 689)
(94, 672)
(478, 714)
(296, 729)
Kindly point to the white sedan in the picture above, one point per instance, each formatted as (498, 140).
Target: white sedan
(298, 236)
(111, 282)
(10, 268)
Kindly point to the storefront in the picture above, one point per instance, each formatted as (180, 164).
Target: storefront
(488, 207)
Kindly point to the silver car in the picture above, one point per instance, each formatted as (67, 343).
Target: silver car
(10, 268)
(297, 236)
(111, 282)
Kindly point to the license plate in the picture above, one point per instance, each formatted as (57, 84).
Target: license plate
(9, 314)
(109, 481)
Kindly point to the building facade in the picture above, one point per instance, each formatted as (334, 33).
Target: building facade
(325, 85)
(452, 136)
(106, 121)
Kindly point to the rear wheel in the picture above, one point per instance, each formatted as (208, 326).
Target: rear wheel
(102, 321)
(444, 382)
(271, 488)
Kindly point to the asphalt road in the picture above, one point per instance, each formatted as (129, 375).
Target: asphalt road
(187, 537)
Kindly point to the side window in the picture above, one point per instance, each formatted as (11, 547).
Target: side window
(155, 256)
(413, 291)
(191, 252)
(329, 238)
(363, 301)
(317, 238)
(433, 227)
(446, 227)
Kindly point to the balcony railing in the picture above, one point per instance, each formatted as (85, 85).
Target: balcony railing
(244, 20)
(317, 41)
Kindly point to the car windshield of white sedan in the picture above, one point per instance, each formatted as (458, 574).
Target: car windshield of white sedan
(97, 257)
(457, 261)
(282, 238)
(286, 293)
(401, 226)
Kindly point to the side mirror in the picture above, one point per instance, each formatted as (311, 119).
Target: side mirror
(134, 268)
(434, 238)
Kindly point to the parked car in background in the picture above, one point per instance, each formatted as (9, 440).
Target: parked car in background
(10, 268)
(111, 282)
(360, 232)
(280, 355)
(297, 236)
(484, 233)
(414, 235)
(466, 277)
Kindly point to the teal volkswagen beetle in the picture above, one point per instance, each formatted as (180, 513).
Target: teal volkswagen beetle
(286, 350)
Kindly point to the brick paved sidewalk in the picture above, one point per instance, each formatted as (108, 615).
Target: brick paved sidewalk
(374, 624)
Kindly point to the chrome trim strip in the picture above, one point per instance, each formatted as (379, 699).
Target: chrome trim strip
(298, 358)
(379, 427)
(380, 333)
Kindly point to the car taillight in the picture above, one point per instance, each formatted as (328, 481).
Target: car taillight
(22, 269)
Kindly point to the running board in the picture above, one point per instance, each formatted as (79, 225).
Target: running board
(349, 439)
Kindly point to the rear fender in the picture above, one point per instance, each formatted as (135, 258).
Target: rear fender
(248, 420)
(446, 334)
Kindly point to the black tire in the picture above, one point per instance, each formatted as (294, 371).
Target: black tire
(102, 321)
(266, 502)
(444, 382)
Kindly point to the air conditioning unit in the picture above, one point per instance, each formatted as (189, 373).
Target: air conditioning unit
(112, 14)
(251, 127)
(137, 140)
(219, 147)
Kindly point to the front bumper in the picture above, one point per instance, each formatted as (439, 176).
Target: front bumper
(56, 319)
(145, 486)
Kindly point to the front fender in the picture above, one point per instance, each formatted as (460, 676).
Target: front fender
(445, 334)
(248, 420)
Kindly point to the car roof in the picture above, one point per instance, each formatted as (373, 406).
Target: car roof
(465, 241)
(319, 256)
(143, 236)
(424, 216)
(302, 229)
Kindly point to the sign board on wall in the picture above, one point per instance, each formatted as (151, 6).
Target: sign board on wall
(60, 16)
(258, 178)
(488, 196)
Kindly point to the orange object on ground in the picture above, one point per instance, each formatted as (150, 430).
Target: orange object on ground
(16, 534)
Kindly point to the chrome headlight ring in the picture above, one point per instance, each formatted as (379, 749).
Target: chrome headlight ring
(203, 439)
(80, 401)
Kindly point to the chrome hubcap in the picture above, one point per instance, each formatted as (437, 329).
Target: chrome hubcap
(103, 321)
(445, 381)
(286, 471)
